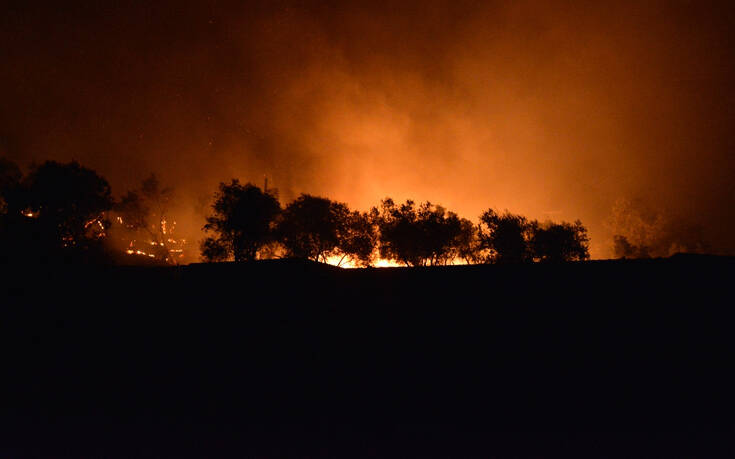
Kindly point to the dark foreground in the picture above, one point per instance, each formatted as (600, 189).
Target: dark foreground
(290, 359)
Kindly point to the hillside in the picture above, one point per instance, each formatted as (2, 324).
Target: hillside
(287, 357)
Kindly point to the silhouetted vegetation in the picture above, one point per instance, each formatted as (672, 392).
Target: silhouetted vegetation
(243, 222)
(505, 237)
(66, 212)
(419, 235)
(56, 212)
(311, 227)
(557, 242)
(358, 239)
(141, 221)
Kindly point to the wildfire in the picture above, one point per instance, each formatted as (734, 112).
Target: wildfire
(168, 251)
(383, 263)
(344, 262)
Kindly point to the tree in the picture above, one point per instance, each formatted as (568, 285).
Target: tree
(158, 200)
(417, 235)
(358, 239)
(243, 222)
(214, 250)
(68, 203)
(505, 237)
(467, 243)
(143, 214)
(558, 242)
(399, 232)
(313, 227)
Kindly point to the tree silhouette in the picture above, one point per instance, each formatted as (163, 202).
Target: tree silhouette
(358, 239)
(467, 243)
(557, 242)
(242, 221)
(399, 232)
(418, 235)
(505, 237)
(313, 227)
(214, 250)
(67, 202)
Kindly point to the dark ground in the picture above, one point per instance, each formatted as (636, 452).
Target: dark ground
(293, 359)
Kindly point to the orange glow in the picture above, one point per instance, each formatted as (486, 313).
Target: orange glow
(549, 111)
(349, 264)
(382, 263)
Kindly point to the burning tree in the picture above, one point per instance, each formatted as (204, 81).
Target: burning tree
(145, 224)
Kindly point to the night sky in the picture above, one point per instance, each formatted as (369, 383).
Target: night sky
(555, 110)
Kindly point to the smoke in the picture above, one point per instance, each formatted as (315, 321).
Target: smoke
(641, 232)
(548, 109)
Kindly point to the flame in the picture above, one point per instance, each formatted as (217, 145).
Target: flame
(346, 262)
(383, 263)
(338, 260)
(174, 249)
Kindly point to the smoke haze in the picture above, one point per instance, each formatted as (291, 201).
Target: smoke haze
(554, 110)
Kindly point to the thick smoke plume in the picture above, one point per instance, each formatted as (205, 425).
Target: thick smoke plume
(549, 109)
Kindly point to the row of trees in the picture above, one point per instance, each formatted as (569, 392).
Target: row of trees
(66, 212)
(248, 223)
(61, 211)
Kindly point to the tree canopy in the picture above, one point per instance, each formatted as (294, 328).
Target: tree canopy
(358, 239)
(505, 237)
(242, 221)
(313, 227)
(68, 201)
(418, 235)
(65, 207)
(558, 242)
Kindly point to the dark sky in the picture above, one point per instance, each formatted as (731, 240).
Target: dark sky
(550, 109)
